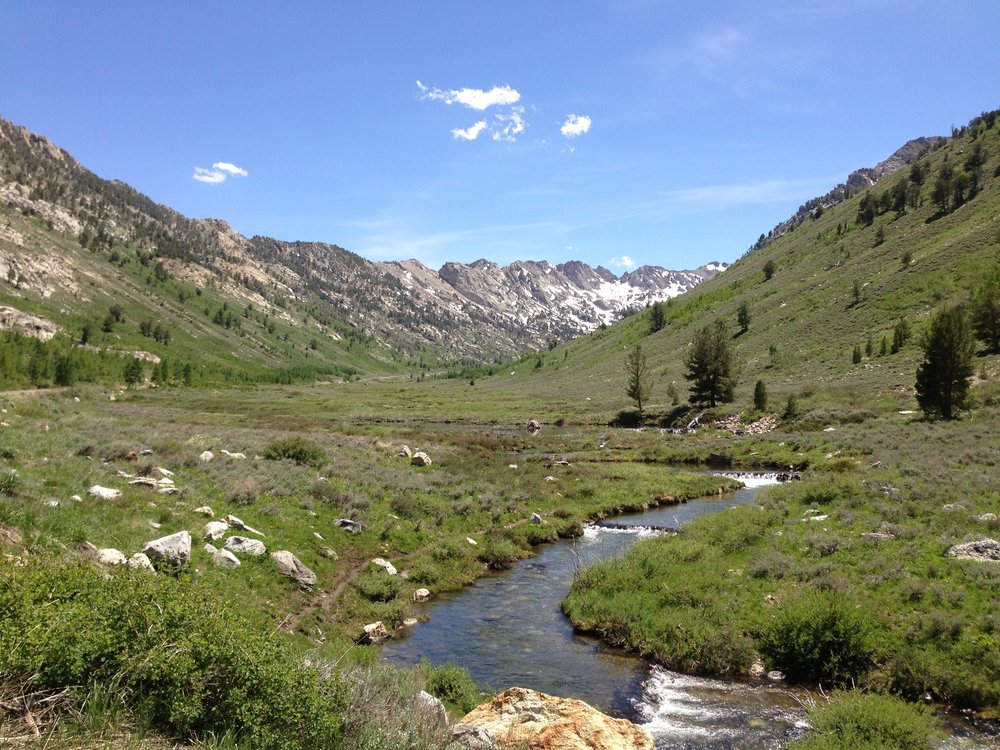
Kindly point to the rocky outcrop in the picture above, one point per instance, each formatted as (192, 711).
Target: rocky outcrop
(986, 550)
(26, 324)
(522, 718)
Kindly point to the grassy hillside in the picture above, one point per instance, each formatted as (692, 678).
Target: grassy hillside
(805, 321)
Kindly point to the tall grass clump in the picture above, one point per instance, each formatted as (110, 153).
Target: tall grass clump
(852, 719)
(300, 450)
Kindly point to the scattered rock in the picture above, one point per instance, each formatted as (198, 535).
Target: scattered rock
(104, 493)
(471, 541)
(145, 481)
(328, 552)
(986, 517)
(237, 523)
(214, 530)
(533, 426)
(374, 633)
(421, 459)
(421, 595)
(387, 566)
(76, 499)
(110, 556)
(51, 503)
(551, 478)
(348, 525)
(210, 548)
(205, 510)
(511, 466)
(242, 545)
(426, 704)
(776, 676)
(139, 561)
(528, 719)
(206, 456)
(154, 525)
(173, 550)
(226, 559)
(409, 622)
(951, 507)
(877, 536)
(233, 456)
(986, 550)
(536, 519)
(164, 472)
(289, 565)
(406, 452)
(758, 670)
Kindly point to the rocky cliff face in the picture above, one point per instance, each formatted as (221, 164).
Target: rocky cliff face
(476, 311)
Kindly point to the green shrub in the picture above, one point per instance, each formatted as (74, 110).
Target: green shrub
(819, 637)
(852, 719)
(378, 586)
(453, 685)
(300, 450)
(10, 482)
(498, 553)
(188, 664)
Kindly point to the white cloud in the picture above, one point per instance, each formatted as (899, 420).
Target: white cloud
(220, 172)
(470, 133)
(477, 99)
(508, 127)
(575, 125)
(623, 262)
(225, 166)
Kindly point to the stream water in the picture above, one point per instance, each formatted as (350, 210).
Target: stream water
(507, 629)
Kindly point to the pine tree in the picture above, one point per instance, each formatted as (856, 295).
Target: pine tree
(743, 317)
(760, 396)
(986, 311)
(711, 365)
(943, 377)
(638, 376)
(657, 316)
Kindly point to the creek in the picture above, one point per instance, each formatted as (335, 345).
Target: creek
(508, 629)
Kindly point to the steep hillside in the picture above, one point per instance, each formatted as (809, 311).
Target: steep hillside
(62, 224)
(905, 261)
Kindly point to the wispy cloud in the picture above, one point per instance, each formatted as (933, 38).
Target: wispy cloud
(575, 125)
(219, 172)
(508, 127)
(623, 262)
(470, 133)
(477, 99)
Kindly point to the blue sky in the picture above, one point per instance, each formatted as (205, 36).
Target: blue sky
(618, 133)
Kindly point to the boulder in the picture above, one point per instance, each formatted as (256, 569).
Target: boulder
(173, 550)
(986, 550)
(427, 705)
(387, 566)
(421, 595)
(421, 459)
(241, 545)
(214, 530)
(533, 426)
(536, 519)
(206, 456)
(348, 525)
(374, 633)
(409, 622)
(328, 552)
(471, 541)
(211, 549)
(406, 452)
(139, 561)
(289, 565)
(233, 456)
(528, 719)
(110, 556)
(986, 517)
(225, 559)
(205, 510)
(104, 493)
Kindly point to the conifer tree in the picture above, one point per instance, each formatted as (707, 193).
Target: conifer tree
(711, 365)
(943, 377)
(638, 376)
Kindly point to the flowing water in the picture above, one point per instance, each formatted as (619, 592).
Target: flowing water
(507, 629)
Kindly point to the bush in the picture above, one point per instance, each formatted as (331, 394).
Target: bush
(852, 719)
(498, 554)
(819, 637)
(378, 586)
(300, 450)
(10, 482)
(172, 653)
(453, 685)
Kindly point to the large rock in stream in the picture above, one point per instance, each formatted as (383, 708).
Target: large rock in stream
(528, 719)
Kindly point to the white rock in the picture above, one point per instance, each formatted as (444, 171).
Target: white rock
(511, 466)
(210, 548)
(76, 499)
(551, 478)
(421, 595)
(168, 490)
(104, 493)
(52, 503)
(289, 565)
(421, 459)
(426, 704)
(139, 561)
(374, 633)
(536, 519)
(226, 559)
(164, 472)
(406, 452)
(206, 456)
(242, 545)
(205, 511)
(110, 556)
(387, 566)
(471, 541)
(238, 523)
(173, 550)
(233, 456)
(214, 530)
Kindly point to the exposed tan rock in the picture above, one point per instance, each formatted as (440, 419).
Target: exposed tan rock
(522, 718)
(26, 324)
